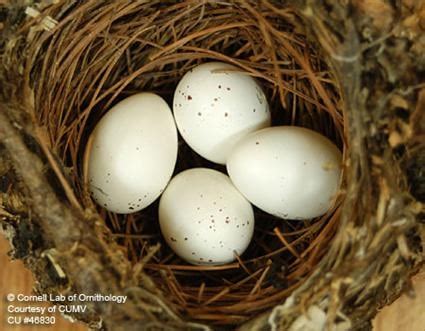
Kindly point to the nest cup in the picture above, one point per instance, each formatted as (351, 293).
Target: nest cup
(101, 52)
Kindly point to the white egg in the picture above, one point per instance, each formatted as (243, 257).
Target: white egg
(290, 172)
(214, 106)
(131, 153)
(204, 218)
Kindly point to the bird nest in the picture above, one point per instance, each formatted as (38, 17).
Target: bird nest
(322, 66)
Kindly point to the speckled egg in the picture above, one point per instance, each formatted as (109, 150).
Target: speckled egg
(290, 172)
(215, 104)
(131, 153)
(204, 218)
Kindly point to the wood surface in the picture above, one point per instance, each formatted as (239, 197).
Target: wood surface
(405, 314)
(16, 279)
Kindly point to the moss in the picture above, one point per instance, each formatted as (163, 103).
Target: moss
(28, 239)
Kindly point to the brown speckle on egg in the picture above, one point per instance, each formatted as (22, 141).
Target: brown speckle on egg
(173, 239)
(189, 97)
(199, 114)
(226, 114)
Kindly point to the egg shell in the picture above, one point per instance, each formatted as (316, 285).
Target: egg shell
(204, 218)
(287, 171)
(214, 105)
(132, 153)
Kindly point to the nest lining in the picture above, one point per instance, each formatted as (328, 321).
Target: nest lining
(102, 52)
